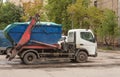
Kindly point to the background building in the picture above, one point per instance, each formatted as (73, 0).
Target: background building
(109, 4)
(19, 2)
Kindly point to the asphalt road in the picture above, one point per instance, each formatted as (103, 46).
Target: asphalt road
(107, 64)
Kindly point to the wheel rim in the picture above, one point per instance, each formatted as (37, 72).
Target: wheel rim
(82, 57)
(30, 58)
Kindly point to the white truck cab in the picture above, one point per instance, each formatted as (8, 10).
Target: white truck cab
(84, 41)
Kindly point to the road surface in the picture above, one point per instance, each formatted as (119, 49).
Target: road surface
(107, 64)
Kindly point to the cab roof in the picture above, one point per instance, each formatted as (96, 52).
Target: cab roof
(72, 30)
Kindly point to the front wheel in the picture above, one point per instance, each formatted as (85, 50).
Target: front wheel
(30, 58)
(81, 57)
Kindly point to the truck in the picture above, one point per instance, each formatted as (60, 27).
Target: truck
(4, 43)
(80, 45)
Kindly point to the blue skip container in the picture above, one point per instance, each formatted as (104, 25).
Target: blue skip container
(46, 32)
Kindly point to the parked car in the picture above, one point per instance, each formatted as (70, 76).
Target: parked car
(4, 43)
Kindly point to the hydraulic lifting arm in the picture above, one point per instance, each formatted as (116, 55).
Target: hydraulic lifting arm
(24, 39)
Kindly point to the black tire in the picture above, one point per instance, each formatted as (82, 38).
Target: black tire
(2, 52)
(81, 57)
(29, 58)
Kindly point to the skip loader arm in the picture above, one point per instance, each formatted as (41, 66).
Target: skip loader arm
(24, 39)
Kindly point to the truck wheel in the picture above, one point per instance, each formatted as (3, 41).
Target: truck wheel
(81, 57)
(30, 58)
(1, 52)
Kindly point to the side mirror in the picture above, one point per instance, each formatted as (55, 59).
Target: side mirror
(94, 40)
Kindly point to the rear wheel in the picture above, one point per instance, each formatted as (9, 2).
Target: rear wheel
(30, 58)
(81, 57)
(2, 52)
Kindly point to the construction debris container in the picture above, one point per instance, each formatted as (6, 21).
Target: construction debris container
(46, 32)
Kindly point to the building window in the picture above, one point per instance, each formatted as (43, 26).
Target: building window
(95, 3)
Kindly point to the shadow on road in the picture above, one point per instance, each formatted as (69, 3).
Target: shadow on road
(56, 64)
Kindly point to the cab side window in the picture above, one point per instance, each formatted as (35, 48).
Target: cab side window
(71, 37)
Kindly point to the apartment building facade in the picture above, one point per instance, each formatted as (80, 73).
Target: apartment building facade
(19, 2)
(109, 4)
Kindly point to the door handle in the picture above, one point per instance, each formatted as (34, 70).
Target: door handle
(81, 44)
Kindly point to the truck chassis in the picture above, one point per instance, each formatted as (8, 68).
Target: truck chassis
(30, 53)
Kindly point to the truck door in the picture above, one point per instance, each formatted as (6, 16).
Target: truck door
(72, 37)
(87, 41)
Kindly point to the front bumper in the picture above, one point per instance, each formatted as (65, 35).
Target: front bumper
(96, 54)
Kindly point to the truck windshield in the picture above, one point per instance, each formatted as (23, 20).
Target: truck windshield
(87, 36)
